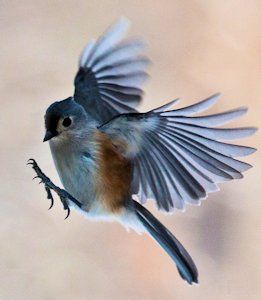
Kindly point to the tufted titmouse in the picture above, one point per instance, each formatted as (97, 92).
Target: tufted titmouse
(106, 152)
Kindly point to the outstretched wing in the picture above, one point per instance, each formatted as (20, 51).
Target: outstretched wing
(178, 157)
(111, 74)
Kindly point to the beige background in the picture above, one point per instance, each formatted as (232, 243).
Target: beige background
(198, 48)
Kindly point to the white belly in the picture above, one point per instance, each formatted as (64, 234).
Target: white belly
(97, 213)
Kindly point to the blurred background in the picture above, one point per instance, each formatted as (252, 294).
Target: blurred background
(197, 48)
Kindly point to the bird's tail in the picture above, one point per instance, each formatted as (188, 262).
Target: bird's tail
(186, 267)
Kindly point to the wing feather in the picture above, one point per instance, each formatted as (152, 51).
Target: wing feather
(211, 120)
(212, 165)
(111, 37)
(118, 55)
(177, 158)
(125, 67)
(165, 166)
(108, 66)
(197, 107)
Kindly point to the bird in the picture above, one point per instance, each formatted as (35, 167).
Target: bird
(111, 158)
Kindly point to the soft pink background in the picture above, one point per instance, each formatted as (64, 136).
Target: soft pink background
(198, 48)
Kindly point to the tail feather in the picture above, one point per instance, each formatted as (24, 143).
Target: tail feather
(186, 267)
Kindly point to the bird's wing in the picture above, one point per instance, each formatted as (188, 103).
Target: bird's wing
(111, 74)
(178, 157)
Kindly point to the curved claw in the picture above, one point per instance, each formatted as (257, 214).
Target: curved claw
(37, 176)
(51, 203)
(50, 186)
(68, 212)
(49, 196)
(30, 161)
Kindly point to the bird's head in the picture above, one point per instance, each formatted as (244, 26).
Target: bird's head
(64, 118)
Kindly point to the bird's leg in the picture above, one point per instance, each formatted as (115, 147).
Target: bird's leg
(49, 185)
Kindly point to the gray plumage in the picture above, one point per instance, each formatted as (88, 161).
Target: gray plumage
(179, 158)
(105, 151)
(111, 74)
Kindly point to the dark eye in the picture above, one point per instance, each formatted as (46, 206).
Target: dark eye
(67, 122)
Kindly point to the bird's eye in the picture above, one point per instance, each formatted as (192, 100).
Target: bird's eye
(67, 122)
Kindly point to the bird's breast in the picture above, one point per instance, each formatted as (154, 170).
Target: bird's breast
(97, 175)
(77, 171)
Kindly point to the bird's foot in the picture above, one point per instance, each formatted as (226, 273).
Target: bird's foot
(49, 185)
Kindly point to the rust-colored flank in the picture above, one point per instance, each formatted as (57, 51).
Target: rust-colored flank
(114, 172)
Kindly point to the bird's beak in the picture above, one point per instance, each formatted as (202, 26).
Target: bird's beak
(49, 135)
